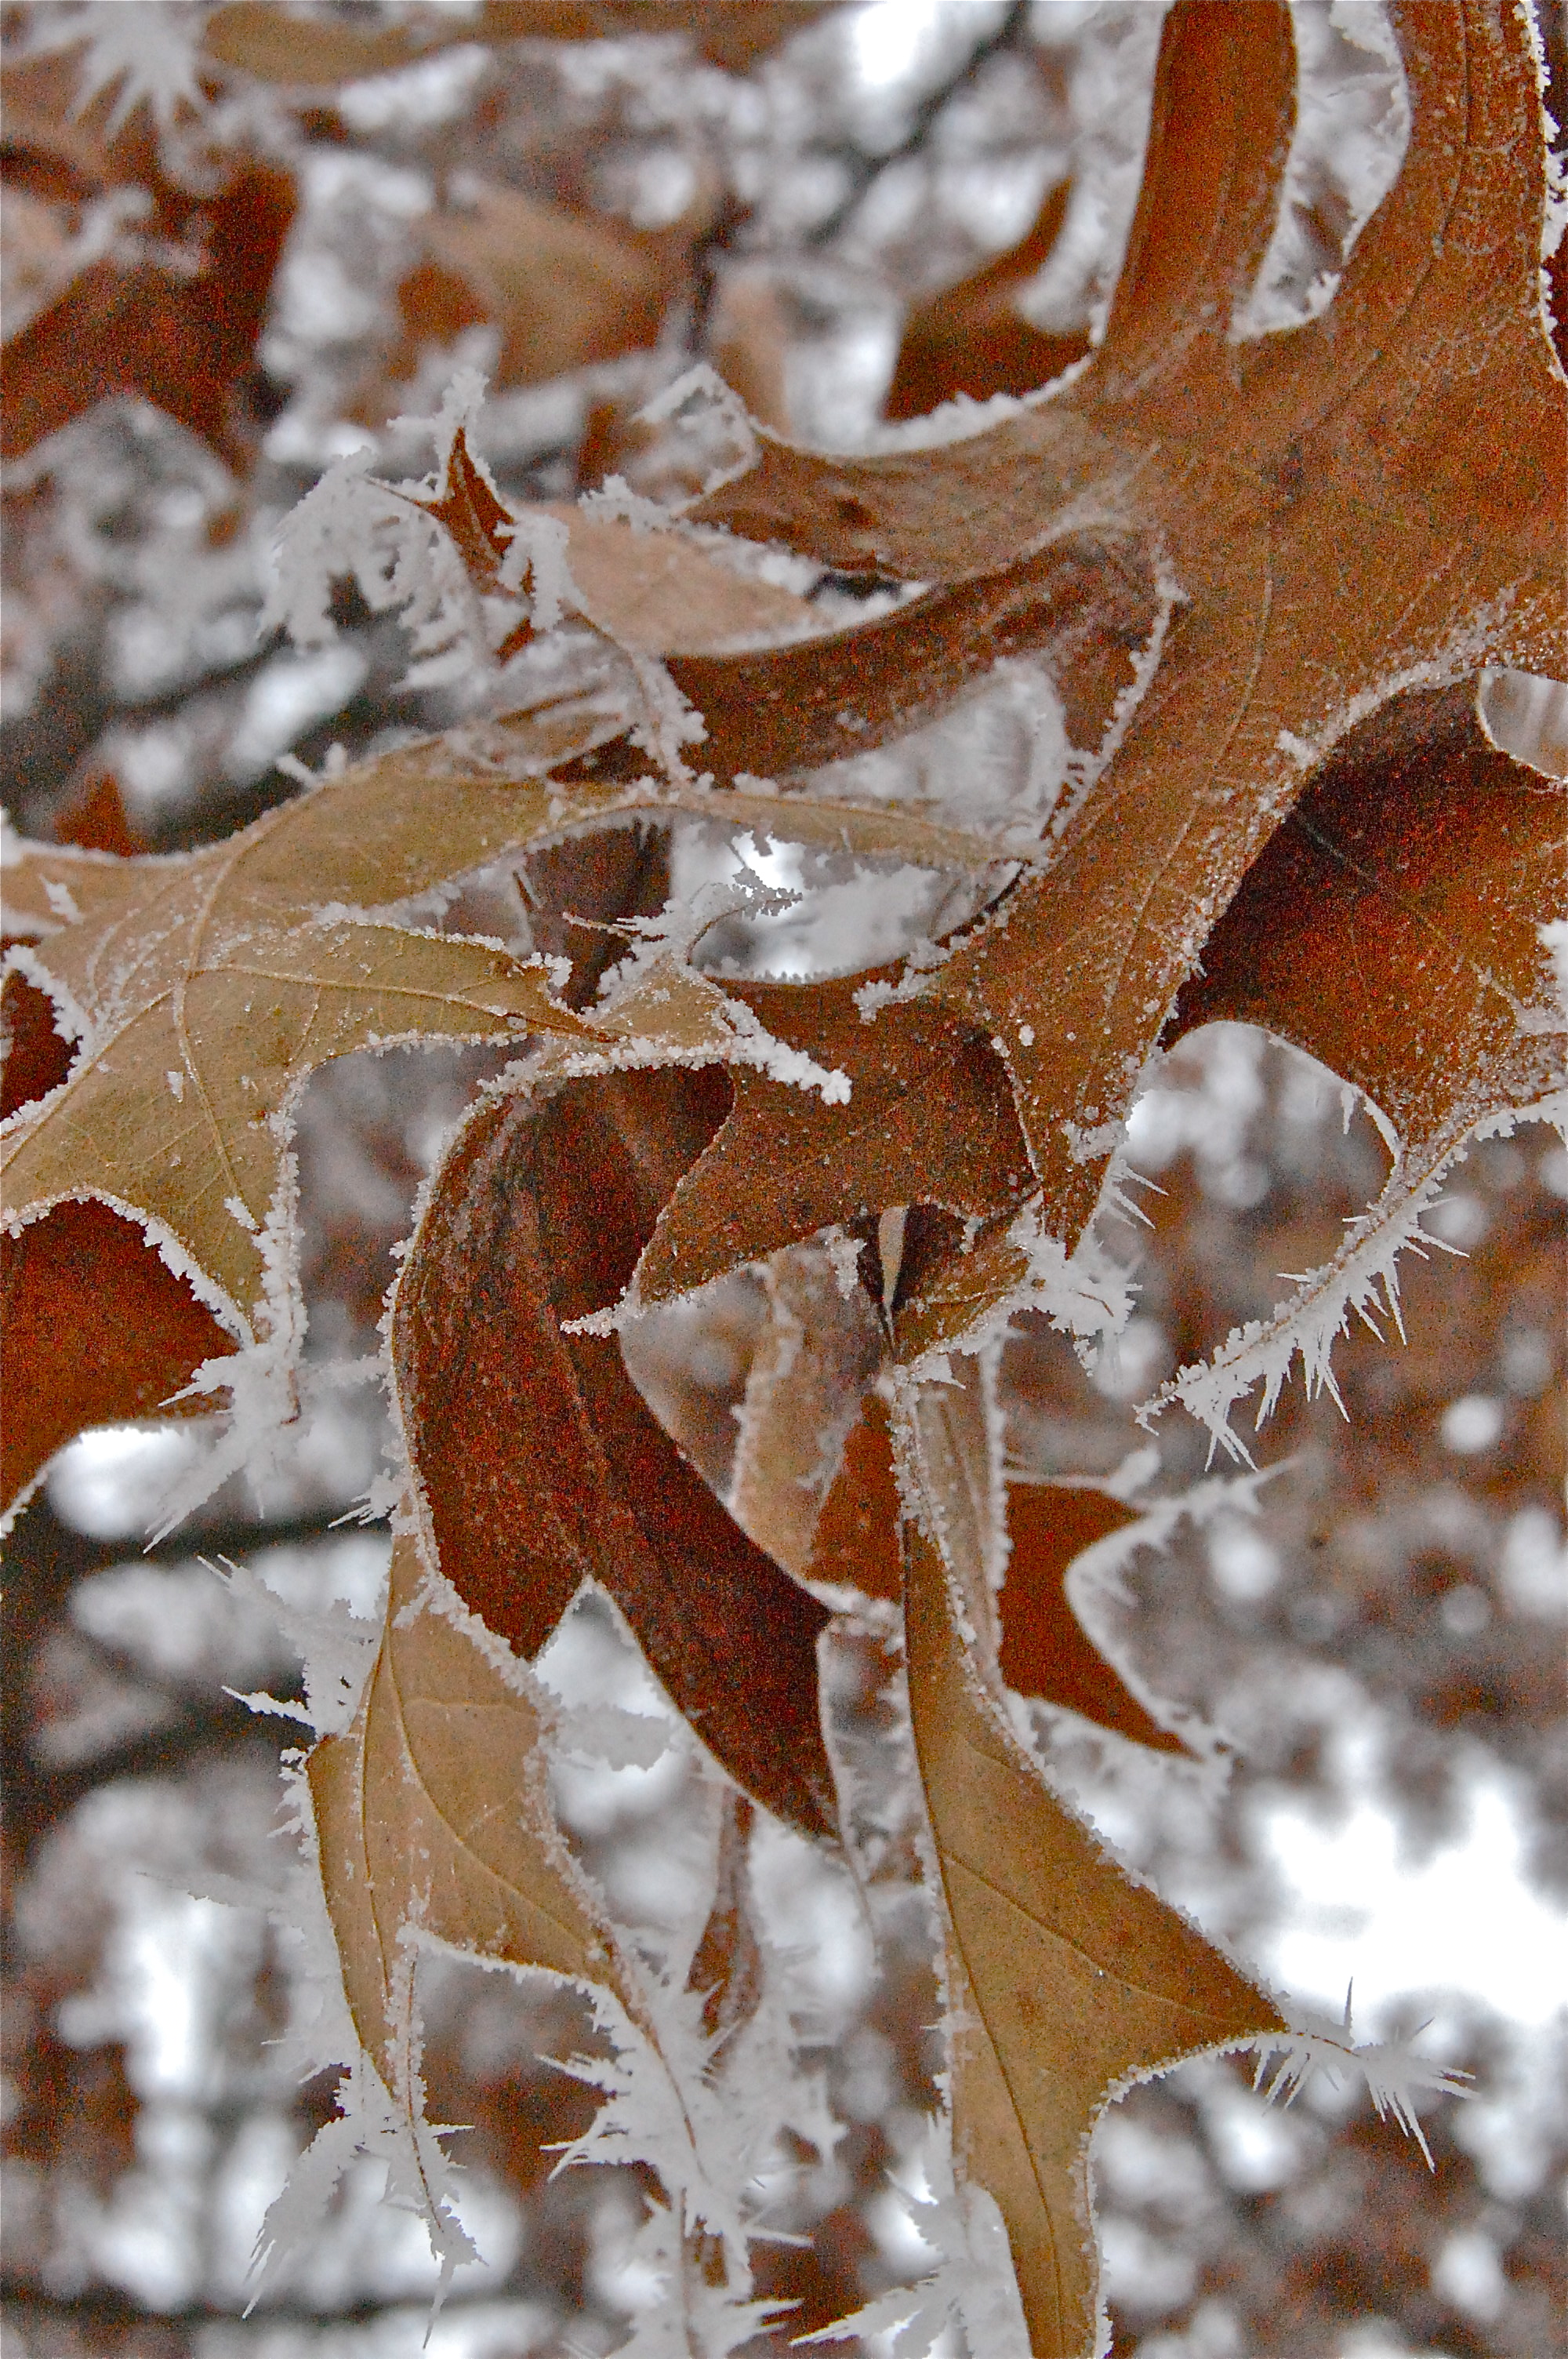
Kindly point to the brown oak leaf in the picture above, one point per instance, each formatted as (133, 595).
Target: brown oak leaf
(972, 338)
(787, 1162)
(538, 1463)
(1336, 506)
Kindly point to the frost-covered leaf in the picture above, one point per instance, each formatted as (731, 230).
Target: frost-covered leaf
(163, 289)
(99, 1329)
(538, 1462)
(1085, 604)
(433, 1822)
(1066, 1979)
(1045, 1648)
(1335, 508)
(203, 988)
(927, 1119)
(1416, 873)
(823, 1343)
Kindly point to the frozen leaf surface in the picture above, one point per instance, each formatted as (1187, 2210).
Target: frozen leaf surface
(433, 1822)
(1068, 1980)
(539, 1462)
(1335, 508)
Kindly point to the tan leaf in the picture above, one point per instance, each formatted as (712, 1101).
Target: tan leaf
(1068, 1980)
(206, 986)
(823, 1343)
(661, 592)
(563, 288)
(274, 45)
(433, 1817)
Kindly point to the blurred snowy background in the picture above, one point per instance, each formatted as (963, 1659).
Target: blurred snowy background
(1373, 1634)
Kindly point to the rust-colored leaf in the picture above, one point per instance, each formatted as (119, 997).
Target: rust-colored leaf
(1045, 1649)
(182, 339)
(97, 1331)
(1415, 873)
(1335, 504)
(1085, 605)
(857, 1538)
(540, 1464)
(786, 1163)
(972, 338)
(36, 1057)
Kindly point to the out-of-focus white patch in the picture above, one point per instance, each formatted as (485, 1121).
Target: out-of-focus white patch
(1467, 1921)
(1467, 2270)
(1533, 1571)
(1472, 1424)
(1526, 716)
(287, 697)
(110, 1483)
(433, 90)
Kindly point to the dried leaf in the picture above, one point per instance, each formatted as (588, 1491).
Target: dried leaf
(1334, 504)
(972, 339)
(1066, 1979)
(1085, 605)
(36, 1057)
(255, 38)
(1045, 1650)
(563, 289)
(97, 1331)
(662, 593)
(206, 986)
(857, 1538)
(182, 337)
(1415, 872)
(538, 1462)
(433, 1821)
(822, 1343)
(787, 1163)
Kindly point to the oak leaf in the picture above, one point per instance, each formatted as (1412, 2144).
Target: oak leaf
(1414, 871)
(1068, 1980)
(169, 306)
(99, 1331)
(433, 1821)
(973, 339)
(787, 1162)
(255, 37)
(563, 288)
(537, 1462)
(203, 989)
(1336, 506)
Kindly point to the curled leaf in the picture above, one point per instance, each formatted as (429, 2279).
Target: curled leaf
(538, 1460)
